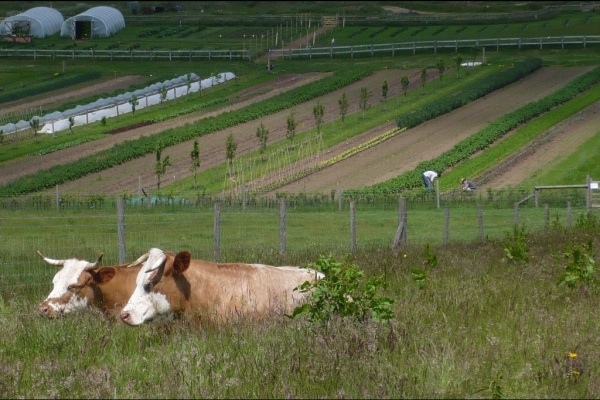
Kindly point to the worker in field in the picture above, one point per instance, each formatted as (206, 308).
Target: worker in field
(468, 185)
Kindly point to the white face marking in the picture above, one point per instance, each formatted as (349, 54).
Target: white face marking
(144, 306)
(67, 276)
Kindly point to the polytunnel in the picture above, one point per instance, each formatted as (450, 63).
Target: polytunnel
(38, 22)
(99, 21)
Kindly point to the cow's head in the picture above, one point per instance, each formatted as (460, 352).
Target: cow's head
(75, 286)
(155, 297)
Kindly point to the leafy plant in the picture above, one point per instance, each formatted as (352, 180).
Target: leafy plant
(580, 266)
(431, 261)
(365, 95)
(134, 102)
(103, 121)
(514, 246)
(262, 134)
(404, 82)
(35, 125)
(343, 292)
(343, 102)
(318, 113)
(161, 165)
(195, 156)
(292, 124)
(230, 149)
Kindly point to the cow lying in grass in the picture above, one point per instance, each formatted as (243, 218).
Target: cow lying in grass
(81, 284)
(170, 285)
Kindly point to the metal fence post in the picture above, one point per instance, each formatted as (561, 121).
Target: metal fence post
(569, 217)
(516, 214)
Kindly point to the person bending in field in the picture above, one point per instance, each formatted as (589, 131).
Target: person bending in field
(468, 185)
(428, 178)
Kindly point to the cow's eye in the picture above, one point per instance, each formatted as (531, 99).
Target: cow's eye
(73, 288)
(148, 286)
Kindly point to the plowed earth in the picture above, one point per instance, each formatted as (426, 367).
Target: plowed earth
(374, 165)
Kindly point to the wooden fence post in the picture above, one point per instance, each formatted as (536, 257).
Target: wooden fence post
(546, 215)
(282, 216)
(480, 221)
(437, 192)
(339, 196)
(217, 233)
(588, 192)
(57, 199)
(446, 225)
(352, 226)
(516, 214)
(569, 218)
(401, 236)
(121, 229)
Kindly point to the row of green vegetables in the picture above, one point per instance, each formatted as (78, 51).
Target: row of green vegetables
(60, 83)
(133, 149)
(482, 139)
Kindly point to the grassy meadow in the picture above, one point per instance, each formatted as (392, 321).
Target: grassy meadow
(480, 325)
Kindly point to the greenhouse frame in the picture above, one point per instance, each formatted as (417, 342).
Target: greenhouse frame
(38, 22)
(99, 21)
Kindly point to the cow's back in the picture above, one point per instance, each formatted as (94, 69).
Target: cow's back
(234, 289)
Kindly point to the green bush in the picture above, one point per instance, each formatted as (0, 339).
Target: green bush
(343, 292)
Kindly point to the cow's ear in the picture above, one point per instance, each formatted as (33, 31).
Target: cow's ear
(182, 261)
(104, 275)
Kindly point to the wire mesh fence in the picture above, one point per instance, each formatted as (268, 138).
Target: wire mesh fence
(225, 233)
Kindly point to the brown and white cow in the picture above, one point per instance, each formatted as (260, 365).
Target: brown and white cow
(169, 285)
(81, 284)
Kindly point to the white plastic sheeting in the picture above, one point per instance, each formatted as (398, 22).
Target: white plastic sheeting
(117, 105)
(43, 21)
(105, 22)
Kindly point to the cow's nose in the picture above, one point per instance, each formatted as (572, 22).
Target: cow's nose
(124, 315)
(43, 309)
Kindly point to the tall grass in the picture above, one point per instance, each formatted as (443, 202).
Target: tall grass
(483, 327)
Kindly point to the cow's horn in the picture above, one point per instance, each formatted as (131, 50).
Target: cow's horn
(93, 266)
(51, 261)
(158, 262)
(139, 260)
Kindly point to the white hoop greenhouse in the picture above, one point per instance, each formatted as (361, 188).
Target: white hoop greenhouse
(99, 21)
(38, 22)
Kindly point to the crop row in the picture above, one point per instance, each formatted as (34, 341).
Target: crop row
(133, 149)
(482, 139)
(59, 83)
